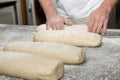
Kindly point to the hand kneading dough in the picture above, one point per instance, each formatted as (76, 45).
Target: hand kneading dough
(30, 66)
(83, 27)
(74, 36)
(67, 53)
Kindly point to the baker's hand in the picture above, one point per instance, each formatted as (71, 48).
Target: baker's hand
(98, 20)
(57, 22)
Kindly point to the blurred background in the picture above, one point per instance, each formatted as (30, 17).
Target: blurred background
(29, 12)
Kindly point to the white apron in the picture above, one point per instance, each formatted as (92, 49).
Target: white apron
(77, 8)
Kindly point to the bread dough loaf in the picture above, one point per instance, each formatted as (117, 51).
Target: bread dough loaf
(83, 28)
(67, 53)
(75, 35)
(30, 67)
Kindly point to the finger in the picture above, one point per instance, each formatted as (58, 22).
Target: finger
(104, 27)
(91, 21)
(95, 25)
(54, 27)
(48, 26)
(90, 24)
(68, 22)
(100, 25)
(51, 26)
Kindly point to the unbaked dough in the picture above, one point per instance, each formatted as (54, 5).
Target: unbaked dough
(82, 27)
(30, 67)
(75, 35)
(67, 53)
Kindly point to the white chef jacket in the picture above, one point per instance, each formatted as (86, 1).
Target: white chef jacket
(77, 8)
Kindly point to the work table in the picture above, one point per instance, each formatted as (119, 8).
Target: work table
(102, 63)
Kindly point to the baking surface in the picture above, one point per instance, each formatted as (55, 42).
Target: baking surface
(102, 63)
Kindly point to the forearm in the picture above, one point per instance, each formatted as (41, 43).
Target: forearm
(108, 4)
(48, 8)
(99, 18)
(113, 2)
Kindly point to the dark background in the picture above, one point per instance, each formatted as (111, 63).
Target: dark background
(118, 15)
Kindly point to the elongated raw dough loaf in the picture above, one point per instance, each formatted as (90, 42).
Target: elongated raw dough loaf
(30, 67)
(83, 27)
(67, 53)
(75, 35)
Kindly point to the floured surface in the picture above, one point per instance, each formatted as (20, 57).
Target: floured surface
(102, 63)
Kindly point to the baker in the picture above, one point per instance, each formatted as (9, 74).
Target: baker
(95, 12)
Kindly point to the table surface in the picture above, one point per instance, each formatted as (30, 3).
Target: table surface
(102, 63)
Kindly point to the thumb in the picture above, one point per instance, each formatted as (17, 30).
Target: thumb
(68, 22)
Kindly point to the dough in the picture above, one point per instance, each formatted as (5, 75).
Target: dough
(75, 35)
(82, 27)
(30, 67)
(67, 53)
